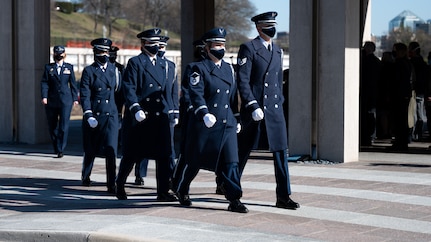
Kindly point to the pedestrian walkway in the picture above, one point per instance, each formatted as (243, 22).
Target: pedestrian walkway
(382, 197)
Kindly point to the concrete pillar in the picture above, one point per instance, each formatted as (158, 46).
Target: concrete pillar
(6, 111)
(324, 82)
(27, 50)
(197, 17)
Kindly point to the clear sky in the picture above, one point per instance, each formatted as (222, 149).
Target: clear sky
(382, 12)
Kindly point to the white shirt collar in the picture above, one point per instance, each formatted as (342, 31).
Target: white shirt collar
(264, 42)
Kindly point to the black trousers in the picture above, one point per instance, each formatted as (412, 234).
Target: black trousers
(163, 172)
(87, 166)
(58, 125)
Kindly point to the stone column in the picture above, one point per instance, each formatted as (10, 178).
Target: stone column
(197, 17)
(26, 49)
(324, 81)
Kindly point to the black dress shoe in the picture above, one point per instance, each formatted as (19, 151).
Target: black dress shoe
(86, 182)
(286, 203)
(220, 190)
(184, 199)
(60, 154)
(237, 207)
(121, 193)
(166, 197)
(111, 189)
(139, 181)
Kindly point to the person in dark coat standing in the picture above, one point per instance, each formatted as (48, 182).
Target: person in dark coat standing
(212, 132)
(146, 123)
(99, 82)
(59, 94)
(260, 80)
(186, 110)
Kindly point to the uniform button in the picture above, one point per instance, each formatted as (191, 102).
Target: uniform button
(276, 84)
(265, 96)
(264, 107)
(99, 89)
(158, 100)
(146, 112)
(276, 105)
(107, 113)
(224, 121)
(157, 113)
(160, 87)
(275, 96)
(151, 85)
(107, 101)
(226, 106)
(215, 105)
(109, 88)
(98, 101)
(227, 91)
(147, 99)
(97, 113)
(218, 90)
(266, 84)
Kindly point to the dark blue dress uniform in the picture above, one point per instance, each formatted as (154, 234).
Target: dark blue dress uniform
(61, 92)
(212, 90)
(260, 80)
(147, 88)
(98, 87)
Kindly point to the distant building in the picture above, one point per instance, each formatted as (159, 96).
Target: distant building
(406, 19)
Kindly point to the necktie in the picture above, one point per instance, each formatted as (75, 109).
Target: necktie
(154, 61)
(58, 69)
(269, 47)
(103, 68)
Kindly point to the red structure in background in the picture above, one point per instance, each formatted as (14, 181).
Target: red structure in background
(86, 44)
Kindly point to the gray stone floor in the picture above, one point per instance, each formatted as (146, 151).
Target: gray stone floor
(382, 197)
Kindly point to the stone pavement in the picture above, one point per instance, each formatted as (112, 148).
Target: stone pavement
(382, 197)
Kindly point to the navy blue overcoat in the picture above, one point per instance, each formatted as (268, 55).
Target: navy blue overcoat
(97, 93)
(260, 79)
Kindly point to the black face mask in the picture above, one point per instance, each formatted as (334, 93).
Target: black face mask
(217, 53)
(153, 49)
(58, 57)
(102, 59)
(270, 32)
(161, 53)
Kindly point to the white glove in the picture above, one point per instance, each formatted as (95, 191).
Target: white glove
(209, 120)
(176, 121)
(140, 116)
(92, 122)
(257, 114)
(238, 128)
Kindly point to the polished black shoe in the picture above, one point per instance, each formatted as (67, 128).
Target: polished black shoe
(220, 190)
(237, 207)
(112, 190)
(120, 193)
(60, 154)
(286, 203)
(166, 197)
(184, 199)
(86, 182)
(139, 181)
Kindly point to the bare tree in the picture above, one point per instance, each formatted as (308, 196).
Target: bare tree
(93, 7)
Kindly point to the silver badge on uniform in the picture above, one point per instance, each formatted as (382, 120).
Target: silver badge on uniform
(194, 78)
(242, 61)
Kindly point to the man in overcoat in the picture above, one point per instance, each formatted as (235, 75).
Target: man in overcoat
(146, 123)
(260, 80)
(99, 82)
(59, 94)
(211, 141)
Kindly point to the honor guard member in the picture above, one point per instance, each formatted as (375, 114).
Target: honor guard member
(59, 94)
(186, 109)
(212, 134)
(141, 167)
(260, 79)
(119, 97)
(99, 82)
(146, 124)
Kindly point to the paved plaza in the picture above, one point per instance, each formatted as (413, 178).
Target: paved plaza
(382, 197)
